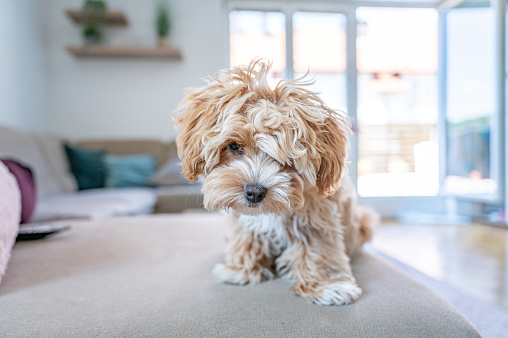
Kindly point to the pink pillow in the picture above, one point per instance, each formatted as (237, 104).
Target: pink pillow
(10, 212)
(26, 186)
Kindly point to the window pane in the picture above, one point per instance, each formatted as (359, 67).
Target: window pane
(471, 100)
(319, 47)
(397, 56)
(258, 34)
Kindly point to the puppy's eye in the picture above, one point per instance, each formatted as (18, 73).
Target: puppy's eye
(235, 147)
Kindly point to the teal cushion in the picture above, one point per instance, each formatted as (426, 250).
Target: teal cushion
(87, 166)
(129, 171)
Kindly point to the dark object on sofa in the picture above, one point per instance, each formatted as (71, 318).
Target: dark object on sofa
(33, 232)
(87, 166)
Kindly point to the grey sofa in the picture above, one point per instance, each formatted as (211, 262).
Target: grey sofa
(58, 197)
(151, 277)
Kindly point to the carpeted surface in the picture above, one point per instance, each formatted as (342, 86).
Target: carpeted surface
(151, 277)
(491, 321)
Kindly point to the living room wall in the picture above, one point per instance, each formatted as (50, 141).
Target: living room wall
(23, 72)
(128, 98)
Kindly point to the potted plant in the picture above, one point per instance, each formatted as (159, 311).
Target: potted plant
(163, 24)
(94, 19)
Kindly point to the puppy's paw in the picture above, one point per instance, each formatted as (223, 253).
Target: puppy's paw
(336, 293)
(239, 275)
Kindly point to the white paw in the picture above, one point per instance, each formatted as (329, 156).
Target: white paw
(241, 276)
(337, 293)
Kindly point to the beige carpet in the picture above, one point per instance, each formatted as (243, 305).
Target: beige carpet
(152, 277)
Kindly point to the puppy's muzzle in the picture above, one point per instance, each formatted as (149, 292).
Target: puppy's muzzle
(254, 193)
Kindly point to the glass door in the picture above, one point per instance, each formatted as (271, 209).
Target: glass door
(258, 34)
(472, 109)
(397, 60)
(319, 53)
(381, 65)
(316, 44)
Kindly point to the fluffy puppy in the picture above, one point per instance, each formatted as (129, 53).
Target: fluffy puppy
(274, 160)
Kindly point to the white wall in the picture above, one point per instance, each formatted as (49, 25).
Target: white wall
(23, 78)
(123, 98)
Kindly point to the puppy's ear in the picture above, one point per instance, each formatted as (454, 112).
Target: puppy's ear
(192, 123)
(334, 142)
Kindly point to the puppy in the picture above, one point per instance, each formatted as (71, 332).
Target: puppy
(275, 161)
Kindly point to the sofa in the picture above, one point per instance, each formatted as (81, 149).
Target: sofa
(151, 276)
(57, 192)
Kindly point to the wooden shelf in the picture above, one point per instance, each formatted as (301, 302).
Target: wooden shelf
(116, 18)
(102, 51)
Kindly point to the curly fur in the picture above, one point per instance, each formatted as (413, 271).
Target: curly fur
(308, 224)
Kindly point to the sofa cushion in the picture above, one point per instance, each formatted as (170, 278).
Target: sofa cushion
(96, 204)
(129, 147)
(53, 150)
(151, 276)
(43, 154)
(178, 198)
(129, 171)
(170, 173)
(87, 167)
(170, 152)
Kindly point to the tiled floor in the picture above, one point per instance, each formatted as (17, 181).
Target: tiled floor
(474, 258)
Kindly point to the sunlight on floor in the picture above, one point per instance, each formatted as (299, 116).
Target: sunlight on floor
(471, 258)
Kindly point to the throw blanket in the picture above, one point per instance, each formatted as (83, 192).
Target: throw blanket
(10, 212)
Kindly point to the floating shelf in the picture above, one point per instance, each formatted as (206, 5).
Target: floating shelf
(116, 18)
(101, 51)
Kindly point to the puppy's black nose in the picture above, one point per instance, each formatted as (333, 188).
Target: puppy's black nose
(254, 193)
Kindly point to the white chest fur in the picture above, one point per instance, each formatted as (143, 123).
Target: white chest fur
(270, 226)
